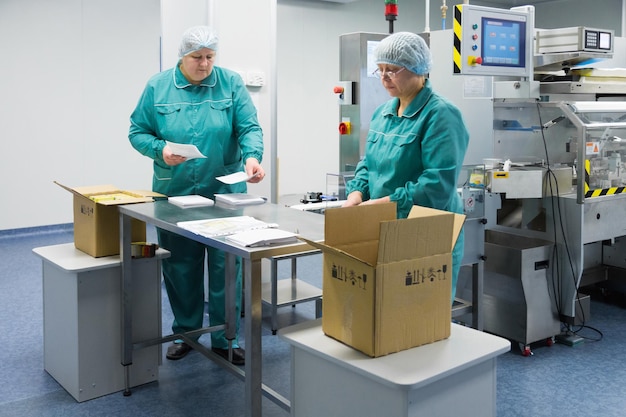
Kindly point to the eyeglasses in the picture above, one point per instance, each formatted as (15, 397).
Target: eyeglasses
(388, 74)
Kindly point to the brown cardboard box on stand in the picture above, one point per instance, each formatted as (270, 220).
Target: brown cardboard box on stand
(96, 218)
(387, 282)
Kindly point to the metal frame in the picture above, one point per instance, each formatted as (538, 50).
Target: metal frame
(165, 216)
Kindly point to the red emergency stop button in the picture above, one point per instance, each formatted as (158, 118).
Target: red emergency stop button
(344, 128)
(474, 60)
(338, 90)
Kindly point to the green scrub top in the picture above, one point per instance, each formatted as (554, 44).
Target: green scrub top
(217, 116)
(416, 158)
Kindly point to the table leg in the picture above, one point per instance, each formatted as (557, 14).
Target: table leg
(254, 379)
(477, 296)
(274, 293)
(230, 304)
(126, 307)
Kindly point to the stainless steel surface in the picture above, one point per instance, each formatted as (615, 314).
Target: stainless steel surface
(590, 87)
(517, 300)
(517, 183)
(165, 215)
(613, 253)
(467, 306)
(356, 65)
(563, 61)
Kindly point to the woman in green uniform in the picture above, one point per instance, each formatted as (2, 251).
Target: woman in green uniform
(208, 106)
(416, 141)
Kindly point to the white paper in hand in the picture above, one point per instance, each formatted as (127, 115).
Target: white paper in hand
(235, 178)
(187, 150)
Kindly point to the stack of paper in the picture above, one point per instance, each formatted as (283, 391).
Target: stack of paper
(239, 199)
(262, 237)
(224, 226)
(186, 201)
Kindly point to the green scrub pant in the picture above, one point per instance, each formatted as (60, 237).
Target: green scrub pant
(183, 273)
(457, 258)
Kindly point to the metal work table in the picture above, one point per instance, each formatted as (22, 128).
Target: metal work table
(165, 216)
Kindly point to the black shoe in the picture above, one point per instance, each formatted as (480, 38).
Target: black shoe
(239, 355)
(177, 351)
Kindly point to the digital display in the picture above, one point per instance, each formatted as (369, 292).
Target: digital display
(504, 43)
(605, 41)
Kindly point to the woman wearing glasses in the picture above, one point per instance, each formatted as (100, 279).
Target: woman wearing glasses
(416, 141)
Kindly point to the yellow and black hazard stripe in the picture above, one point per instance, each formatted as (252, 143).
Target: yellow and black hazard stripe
(598, 192)
(458, 10)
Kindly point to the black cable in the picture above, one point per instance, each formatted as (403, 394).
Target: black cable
(549, 176)
(599, 338)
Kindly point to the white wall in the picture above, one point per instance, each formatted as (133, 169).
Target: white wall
(72, 72)
(247, 44)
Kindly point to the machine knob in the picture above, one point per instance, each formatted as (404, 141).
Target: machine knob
(344, 128)
(338, 90)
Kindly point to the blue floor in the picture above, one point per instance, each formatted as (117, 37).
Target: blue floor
(585, 380)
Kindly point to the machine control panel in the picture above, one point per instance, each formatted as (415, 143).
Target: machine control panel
(493, 42)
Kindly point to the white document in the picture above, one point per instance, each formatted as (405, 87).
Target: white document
(262, 237)
(187, 150)
(224, 226)
(187, 201)
(235, 178)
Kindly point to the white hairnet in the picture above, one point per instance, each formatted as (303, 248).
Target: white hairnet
(404, 49)
(196, 38)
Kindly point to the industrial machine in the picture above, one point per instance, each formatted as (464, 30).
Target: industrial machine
(557, 176)
(359, 92)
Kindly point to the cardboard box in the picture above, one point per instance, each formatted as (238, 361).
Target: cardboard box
(96, 218)
(387, 282)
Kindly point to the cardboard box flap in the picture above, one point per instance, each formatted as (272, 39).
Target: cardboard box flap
(361, 251)
(107, 195)
(459, 219)
(344, 225)
(415, 238)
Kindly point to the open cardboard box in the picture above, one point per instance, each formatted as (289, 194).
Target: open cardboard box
(96, 218)
(387, 282)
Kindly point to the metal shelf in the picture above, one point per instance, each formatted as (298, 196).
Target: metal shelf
(289, 291)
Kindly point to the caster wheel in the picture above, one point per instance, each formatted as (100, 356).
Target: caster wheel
(550, 341)
(525, 349)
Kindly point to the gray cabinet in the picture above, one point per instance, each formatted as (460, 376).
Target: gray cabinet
(82, 320)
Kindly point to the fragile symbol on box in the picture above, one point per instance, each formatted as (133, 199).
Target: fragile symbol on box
(339, 272)
(420, 276)
(86, 210)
